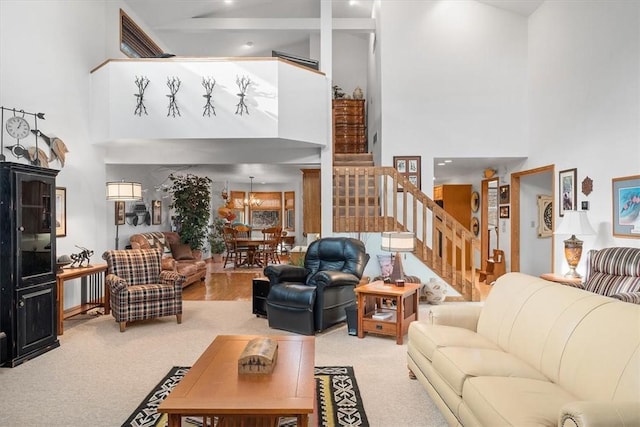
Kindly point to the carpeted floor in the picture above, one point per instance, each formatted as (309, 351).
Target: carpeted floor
(339, 401)
(98, 375)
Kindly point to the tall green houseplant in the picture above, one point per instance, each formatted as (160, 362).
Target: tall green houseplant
(192, 204)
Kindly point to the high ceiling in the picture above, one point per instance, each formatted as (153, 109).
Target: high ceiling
(224, 28)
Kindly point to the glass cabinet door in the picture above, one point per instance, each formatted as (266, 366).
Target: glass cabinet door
(34, 213)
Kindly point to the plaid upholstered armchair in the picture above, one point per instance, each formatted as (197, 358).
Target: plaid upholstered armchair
(139, 289)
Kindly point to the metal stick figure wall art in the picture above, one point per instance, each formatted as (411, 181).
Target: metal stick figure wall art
(141, 82)
(173, 84)
(208, 84)
(243, 84)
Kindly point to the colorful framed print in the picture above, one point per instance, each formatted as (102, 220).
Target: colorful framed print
(626, 206)
(156, 212)
(61, 211)
(409, 167)
(545, 215)
(119, 213)
(567, 195)
(504, 212)
(505, 194)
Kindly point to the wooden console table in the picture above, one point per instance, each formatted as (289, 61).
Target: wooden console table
(93, 276)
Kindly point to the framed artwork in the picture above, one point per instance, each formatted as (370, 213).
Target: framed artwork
(119, 213)
(545, 216)
(505, 194)
(567, 195)
(265, 218)
(409, 167)
(626, 206)
(61, 211)
(156, 212)
(504, 211)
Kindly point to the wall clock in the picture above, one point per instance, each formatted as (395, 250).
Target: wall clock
(17, 127)
(545, 216)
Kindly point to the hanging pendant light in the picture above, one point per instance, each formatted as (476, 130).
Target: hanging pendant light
(252, 200)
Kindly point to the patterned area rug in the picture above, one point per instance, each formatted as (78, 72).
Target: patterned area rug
(339, 401)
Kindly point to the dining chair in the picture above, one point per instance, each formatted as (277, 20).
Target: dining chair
(229, 235)
(271, 237)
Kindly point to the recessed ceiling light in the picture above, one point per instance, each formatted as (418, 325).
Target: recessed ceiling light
(448, 161)
(248, 44)
(228, 1)
(441, 164)
(352, 2)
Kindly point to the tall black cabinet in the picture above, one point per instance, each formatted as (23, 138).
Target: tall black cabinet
(27, 262)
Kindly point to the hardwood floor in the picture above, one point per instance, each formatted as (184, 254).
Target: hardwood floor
(235, 284)
(225, 284)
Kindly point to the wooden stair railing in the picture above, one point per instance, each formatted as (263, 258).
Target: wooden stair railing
(376, 199)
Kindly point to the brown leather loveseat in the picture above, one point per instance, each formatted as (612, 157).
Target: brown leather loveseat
(176, 256)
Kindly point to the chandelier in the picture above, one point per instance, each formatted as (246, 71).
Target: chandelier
(252, 200)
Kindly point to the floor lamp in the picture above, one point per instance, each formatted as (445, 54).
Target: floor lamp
(574, 222)
(397, 241)
(121, 191)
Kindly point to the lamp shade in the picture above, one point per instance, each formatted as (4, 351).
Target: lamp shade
(575, 223)
(124, 191)
(398, 241)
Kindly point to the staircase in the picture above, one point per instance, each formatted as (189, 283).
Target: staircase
(375, 199)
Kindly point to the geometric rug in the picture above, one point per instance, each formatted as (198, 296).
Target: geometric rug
(338, 400)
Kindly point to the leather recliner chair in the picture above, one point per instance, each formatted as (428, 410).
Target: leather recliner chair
(312, 298)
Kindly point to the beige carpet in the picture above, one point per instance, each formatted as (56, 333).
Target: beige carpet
(98, 375)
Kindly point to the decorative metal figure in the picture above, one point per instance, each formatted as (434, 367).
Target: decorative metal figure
(243, 84)
(81, 257)
(173, 84)
(142, 82)
(208, 85)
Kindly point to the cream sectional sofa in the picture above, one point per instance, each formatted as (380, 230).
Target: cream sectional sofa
(536, 353)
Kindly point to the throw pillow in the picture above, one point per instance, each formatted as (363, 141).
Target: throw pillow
(181, 251)
(435, 291)
(386, 264)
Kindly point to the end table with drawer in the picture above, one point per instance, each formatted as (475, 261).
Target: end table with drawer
(396, 317)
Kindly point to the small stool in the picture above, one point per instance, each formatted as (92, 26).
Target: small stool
(290, 308)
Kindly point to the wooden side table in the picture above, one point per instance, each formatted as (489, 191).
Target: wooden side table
(570, 281)
(395, 321)
(95, 274)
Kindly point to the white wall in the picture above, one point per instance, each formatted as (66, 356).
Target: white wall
(453, 81)
(584, 107)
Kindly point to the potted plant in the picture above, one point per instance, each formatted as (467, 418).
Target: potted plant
(216, 239)
(192, 204)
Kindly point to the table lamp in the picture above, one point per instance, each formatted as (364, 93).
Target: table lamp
(574, 222)
(397, 241)
(121, 191)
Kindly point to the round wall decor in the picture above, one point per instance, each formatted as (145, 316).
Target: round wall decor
(475, 201)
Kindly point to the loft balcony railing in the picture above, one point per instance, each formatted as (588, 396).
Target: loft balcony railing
(376, 199)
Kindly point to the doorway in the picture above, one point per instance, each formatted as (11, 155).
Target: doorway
(490, 233)
(520, 197)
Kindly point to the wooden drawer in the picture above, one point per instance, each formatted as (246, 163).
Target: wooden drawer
(355, 130)
(348, 119)
(349, 139)
(383, 327)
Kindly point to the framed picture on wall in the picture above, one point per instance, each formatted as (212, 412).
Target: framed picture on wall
(504, 211)
(567, 195)
(61, 211)
(119, 213)
(626, 206)
(505, 194)
(545, 215)
(409, 167)
(156, 212)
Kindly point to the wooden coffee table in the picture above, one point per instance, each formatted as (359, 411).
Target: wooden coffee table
(371, 299)
(213, 387)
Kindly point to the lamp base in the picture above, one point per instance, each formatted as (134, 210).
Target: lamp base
(398, 270)
(573, 253)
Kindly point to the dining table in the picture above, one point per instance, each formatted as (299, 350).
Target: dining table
(252, 244)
